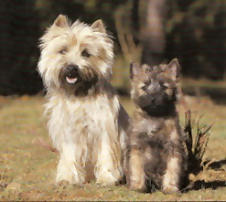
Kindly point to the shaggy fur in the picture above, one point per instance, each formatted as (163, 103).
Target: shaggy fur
(156, 152)
(86, 121)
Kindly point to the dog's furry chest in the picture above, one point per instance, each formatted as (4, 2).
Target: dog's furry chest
(159, 140)
(155, 127)
(159, 135)
(82, 121)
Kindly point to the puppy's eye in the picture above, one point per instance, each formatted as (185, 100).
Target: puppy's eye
(85, 53)
(63, 51)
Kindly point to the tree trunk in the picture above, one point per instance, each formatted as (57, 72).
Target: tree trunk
(153, 34)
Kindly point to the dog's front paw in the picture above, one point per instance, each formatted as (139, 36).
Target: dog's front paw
(170, 189)
(137, 186)
(69, 174)
(106, 179)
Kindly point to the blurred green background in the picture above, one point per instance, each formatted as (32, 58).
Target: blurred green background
(147, 31)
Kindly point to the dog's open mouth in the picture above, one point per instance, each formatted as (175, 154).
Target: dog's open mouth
(71, 80)
(71, 75)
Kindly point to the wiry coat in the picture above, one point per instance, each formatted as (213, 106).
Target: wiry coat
(156, 151)
(86, 121)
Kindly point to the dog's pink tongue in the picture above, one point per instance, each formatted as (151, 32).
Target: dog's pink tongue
(71, 80)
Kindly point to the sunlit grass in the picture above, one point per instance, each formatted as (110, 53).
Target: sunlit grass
(27, 170)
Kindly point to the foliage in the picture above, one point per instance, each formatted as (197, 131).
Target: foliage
(18, 52)
(196, 143)
(194, 31)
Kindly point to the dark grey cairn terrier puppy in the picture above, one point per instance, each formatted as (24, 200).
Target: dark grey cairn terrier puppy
(156, 153)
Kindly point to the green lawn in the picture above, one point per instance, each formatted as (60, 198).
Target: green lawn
(27, 170)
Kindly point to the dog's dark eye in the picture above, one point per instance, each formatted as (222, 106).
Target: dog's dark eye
(85, 53)
(63, 51)
(164, 85)
(144, 87)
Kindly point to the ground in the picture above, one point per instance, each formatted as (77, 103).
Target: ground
(27, 170)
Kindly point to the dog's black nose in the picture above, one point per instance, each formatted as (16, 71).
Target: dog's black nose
(71, 71)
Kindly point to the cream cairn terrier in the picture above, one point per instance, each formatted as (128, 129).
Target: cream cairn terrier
(87, 124)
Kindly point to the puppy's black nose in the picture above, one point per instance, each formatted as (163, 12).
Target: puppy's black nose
(71, 71)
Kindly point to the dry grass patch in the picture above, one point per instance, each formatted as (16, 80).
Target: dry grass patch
(27, 170)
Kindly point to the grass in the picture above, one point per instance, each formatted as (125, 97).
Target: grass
(27, 170)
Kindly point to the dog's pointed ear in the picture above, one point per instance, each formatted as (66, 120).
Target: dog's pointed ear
(134, 70)
(54, 30)
(61, 21)
(98, 26)
(174, 68)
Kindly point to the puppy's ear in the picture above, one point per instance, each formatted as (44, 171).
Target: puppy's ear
(134, 70)
(174, 68)
(98, 26)
(61, 21)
